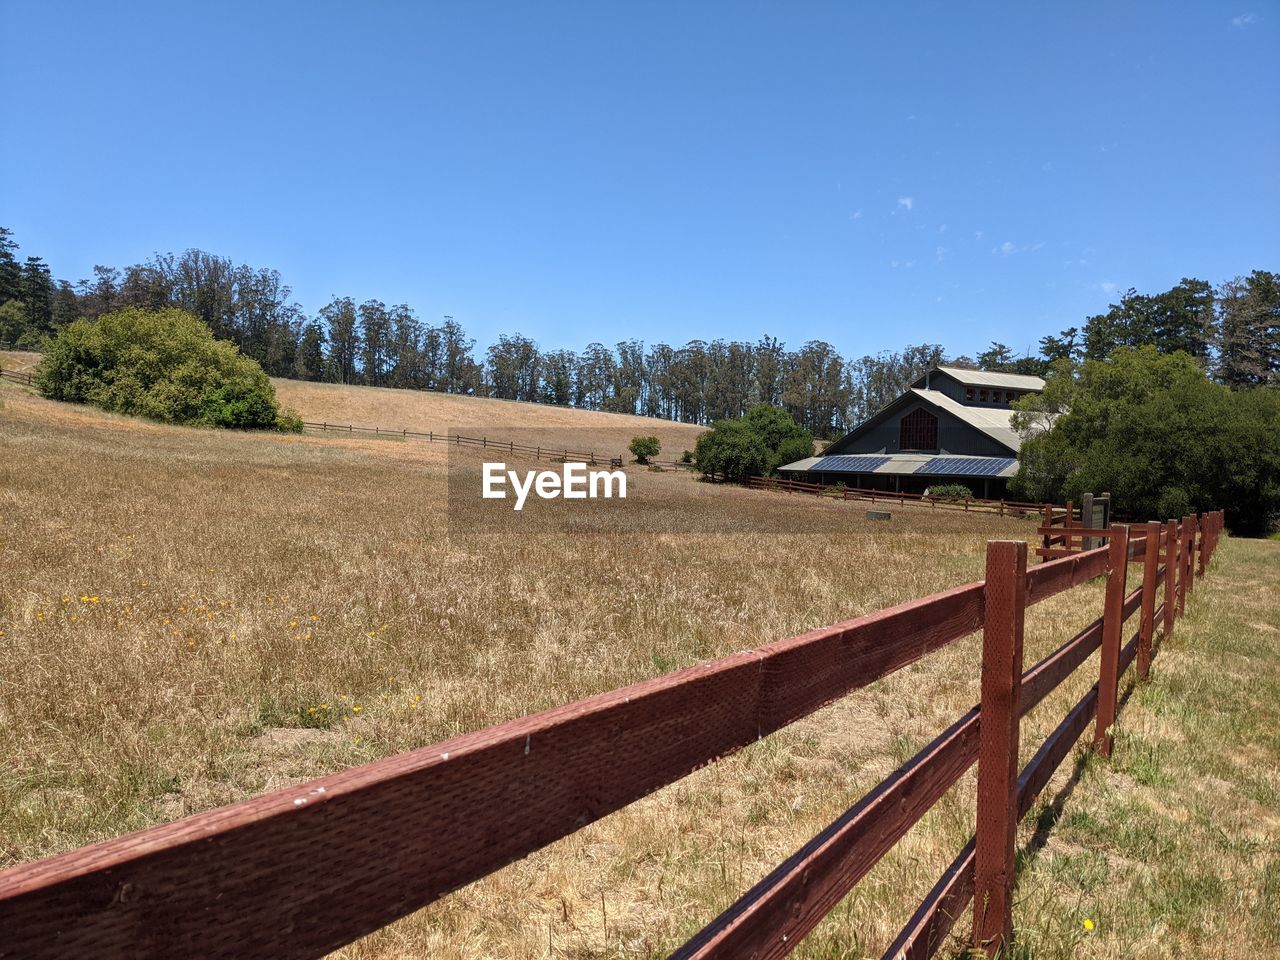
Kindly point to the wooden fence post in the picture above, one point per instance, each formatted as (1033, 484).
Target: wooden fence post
(1112, 622)
(1150, 568)
(997, 813)
(1181, 604)
(1188, 568)
(1170, 575)
(1189, 556)
(1202, 552)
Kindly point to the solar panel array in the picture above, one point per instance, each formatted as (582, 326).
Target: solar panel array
(850, 464)
(966, 466)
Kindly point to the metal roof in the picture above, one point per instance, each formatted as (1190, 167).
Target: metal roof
(985, 378)
(805, 464)
(906, 464)
(993, 421)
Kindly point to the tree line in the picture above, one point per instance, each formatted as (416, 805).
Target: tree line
(1233, 331)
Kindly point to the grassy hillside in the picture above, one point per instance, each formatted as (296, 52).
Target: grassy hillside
(18, 360)
(604, 433)
(191, 617)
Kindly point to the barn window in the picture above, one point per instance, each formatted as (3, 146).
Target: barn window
(969, 394)
(1010, 396)
(982, 396)
(919, 431)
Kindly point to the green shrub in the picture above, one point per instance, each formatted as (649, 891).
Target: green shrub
(731, 450)
(645, 448)
(1174, 504)
(686, 457)
(164, 365)
(756, 445)
(1158, 434)
(951, 491)
(288, 421)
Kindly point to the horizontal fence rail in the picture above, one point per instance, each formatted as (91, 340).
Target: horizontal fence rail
(1002, 508)
(399, 833)
(509, 447)
(18, 376)
(485, 443)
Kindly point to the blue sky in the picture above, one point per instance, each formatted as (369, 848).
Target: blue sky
(868, 174)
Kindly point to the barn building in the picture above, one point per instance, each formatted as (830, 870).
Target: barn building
(951, 426)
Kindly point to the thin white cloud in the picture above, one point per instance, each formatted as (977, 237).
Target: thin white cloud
(940, 253)
(1107, 286)
(856, 215)
(906, 203)
(942, 229)
(1008, 248)
(1244, 20)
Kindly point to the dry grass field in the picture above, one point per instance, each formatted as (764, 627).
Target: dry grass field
(606, 434)
(188, 618)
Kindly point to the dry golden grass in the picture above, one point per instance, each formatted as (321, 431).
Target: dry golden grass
(190, 618)
(607, 434)
(21, 360)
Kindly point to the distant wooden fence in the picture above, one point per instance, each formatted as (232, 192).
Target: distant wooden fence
(1002, 508)
(18, 376)
(509, 447)
(300, 872)
(485, 443)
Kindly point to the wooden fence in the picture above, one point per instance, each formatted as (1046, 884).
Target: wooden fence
(486, 443)
(302, 871)
(18, 376)
(1014, 508)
